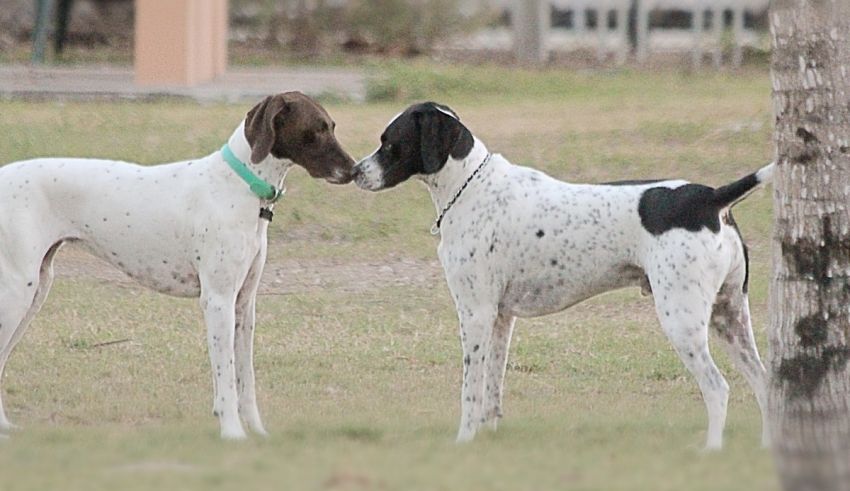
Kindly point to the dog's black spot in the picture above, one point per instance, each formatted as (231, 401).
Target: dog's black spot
(554, 262)
(29, 284)
(540, 234)
(475, 348)
(690, 207)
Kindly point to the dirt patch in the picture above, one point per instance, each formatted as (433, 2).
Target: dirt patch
(286, 276)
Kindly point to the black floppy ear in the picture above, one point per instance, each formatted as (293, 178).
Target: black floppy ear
(438, 135)
(260, 130)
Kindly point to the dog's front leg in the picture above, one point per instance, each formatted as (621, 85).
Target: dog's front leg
(476, 325)
(220, 318)
(500, 343)
(244, 344)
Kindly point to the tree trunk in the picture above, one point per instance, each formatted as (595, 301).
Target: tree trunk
(809, 393)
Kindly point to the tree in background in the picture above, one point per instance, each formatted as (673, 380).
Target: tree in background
(810, 294)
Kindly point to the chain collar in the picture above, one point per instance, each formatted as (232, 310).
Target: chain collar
(435, 229)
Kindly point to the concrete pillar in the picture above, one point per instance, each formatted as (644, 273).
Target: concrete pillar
(697, 27)
(531, 24)
(737, 35)
(642, 20)
(180, 42)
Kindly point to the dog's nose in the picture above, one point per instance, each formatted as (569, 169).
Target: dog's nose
(356, 171)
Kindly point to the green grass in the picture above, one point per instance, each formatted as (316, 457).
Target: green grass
(359, 388)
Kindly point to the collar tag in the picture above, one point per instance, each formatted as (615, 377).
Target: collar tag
(266, 214)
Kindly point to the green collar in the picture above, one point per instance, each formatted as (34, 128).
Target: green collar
(258, 186)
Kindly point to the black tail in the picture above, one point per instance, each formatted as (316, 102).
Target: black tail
(729, 194)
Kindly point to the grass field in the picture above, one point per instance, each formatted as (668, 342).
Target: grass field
(359, 366)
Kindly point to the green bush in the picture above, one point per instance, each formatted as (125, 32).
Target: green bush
(404, 26)
(379, 26)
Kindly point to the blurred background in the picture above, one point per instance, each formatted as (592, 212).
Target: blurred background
(580, 34)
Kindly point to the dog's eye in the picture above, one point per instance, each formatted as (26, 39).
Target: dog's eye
(388, 147)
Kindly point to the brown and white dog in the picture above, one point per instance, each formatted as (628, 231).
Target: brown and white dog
(189, 229)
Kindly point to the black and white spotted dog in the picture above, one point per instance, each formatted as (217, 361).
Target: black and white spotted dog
(518, 243)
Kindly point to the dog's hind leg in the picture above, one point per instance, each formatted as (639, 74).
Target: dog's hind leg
(684, 309)
(730, 319)
(244, 346)
(500, 343)
(14, 299)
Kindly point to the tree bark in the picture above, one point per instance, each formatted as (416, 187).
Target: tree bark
(809, 393)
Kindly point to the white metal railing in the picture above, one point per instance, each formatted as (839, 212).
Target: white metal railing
(699, 9)
(614, 39)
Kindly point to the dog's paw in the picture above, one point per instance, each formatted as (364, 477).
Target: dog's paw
(233, 434)
(260, 431)
(465, 437)
(711, 448)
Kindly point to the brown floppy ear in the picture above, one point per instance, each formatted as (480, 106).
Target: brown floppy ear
(260, 130)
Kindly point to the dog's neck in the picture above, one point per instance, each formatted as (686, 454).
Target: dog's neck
(270, 169)
(446, 183)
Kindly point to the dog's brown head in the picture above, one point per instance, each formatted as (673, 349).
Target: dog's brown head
(295, 127)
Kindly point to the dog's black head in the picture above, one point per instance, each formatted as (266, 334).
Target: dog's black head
(418, 141)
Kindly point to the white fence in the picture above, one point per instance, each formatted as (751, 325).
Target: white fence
(610, 36)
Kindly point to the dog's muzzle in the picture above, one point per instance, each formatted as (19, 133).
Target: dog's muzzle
(340, 177)
(368, 174)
